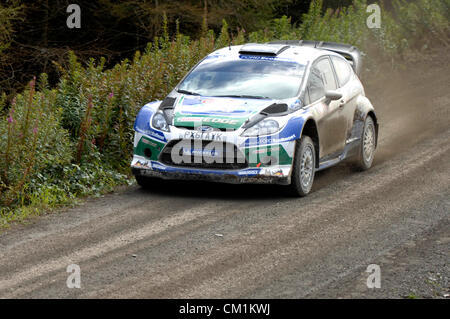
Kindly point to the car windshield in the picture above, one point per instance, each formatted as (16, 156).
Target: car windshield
(250, 77)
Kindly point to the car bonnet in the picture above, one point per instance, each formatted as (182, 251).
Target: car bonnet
(217, 112)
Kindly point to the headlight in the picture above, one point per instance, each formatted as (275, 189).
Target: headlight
(159, 122)
(264, 127)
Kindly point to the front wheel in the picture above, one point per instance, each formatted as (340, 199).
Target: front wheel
(303, 168)
(145, 182)
(367, 147)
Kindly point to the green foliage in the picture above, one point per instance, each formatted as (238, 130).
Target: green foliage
(224, 37)
(283, 29)
(423, 17)
(10, 13)
(31, 141)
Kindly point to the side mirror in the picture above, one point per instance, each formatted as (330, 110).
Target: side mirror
(332, 95)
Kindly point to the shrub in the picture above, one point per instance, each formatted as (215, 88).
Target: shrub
(31, 142)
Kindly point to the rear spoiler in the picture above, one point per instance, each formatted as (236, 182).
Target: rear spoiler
(351, 53)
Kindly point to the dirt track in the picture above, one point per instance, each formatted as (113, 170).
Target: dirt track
(211, 240)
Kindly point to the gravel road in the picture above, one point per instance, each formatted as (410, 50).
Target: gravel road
(205, 240)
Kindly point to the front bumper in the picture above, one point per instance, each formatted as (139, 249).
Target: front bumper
(268, 159)
(275, 174)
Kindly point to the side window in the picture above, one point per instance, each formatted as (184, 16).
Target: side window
(343, 70)
(316, 88)
(306, 98)
(327, 74)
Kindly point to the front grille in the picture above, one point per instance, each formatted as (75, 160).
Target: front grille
(205, 155)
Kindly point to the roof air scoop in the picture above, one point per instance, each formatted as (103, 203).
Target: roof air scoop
(263, 49)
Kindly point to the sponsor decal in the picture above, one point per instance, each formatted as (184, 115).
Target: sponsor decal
(158, 166)
(215, 56)
(155, 134)
(148, 142)
(217, 106)
(266, 150)
(277, 172)
(219, 112)
(266, 58)
(201, 152)
(273, 139)
(205, 128)
(297, 104)
(249, 172)
(274, 172)
(143, 164)
(208, 120)
(189, 101)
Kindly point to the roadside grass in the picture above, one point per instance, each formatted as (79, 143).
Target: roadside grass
(48, 201)
(75, 140)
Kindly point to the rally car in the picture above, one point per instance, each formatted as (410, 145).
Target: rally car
(259, 113)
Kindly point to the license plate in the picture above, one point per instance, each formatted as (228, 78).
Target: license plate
(207, 136)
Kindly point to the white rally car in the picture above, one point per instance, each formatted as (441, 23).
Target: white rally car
(259, 113)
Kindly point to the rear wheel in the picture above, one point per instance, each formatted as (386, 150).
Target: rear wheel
(304, 167)
(366, 151)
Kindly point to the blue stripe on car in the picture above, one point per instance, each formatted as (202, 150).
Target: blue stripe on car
(157, 166)
(289, 133)
(142, 124)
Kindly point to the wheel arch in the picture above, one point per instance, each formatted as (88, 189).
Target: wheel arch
(372, 114)
(363, 109)
(310, 129)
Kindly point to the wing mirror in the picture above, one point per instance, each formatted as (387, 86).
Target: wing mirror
(332, 95)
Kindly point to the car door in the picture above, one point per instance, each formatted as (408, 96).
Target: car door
(331, 121)
(349, 91)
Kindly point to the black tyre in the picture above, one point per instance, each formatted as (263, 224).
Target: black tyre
(366, 152)
(304, 167)
(145, 182)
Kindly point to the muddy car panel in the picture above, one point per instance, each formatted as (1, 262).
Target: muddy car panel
(268, 158)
